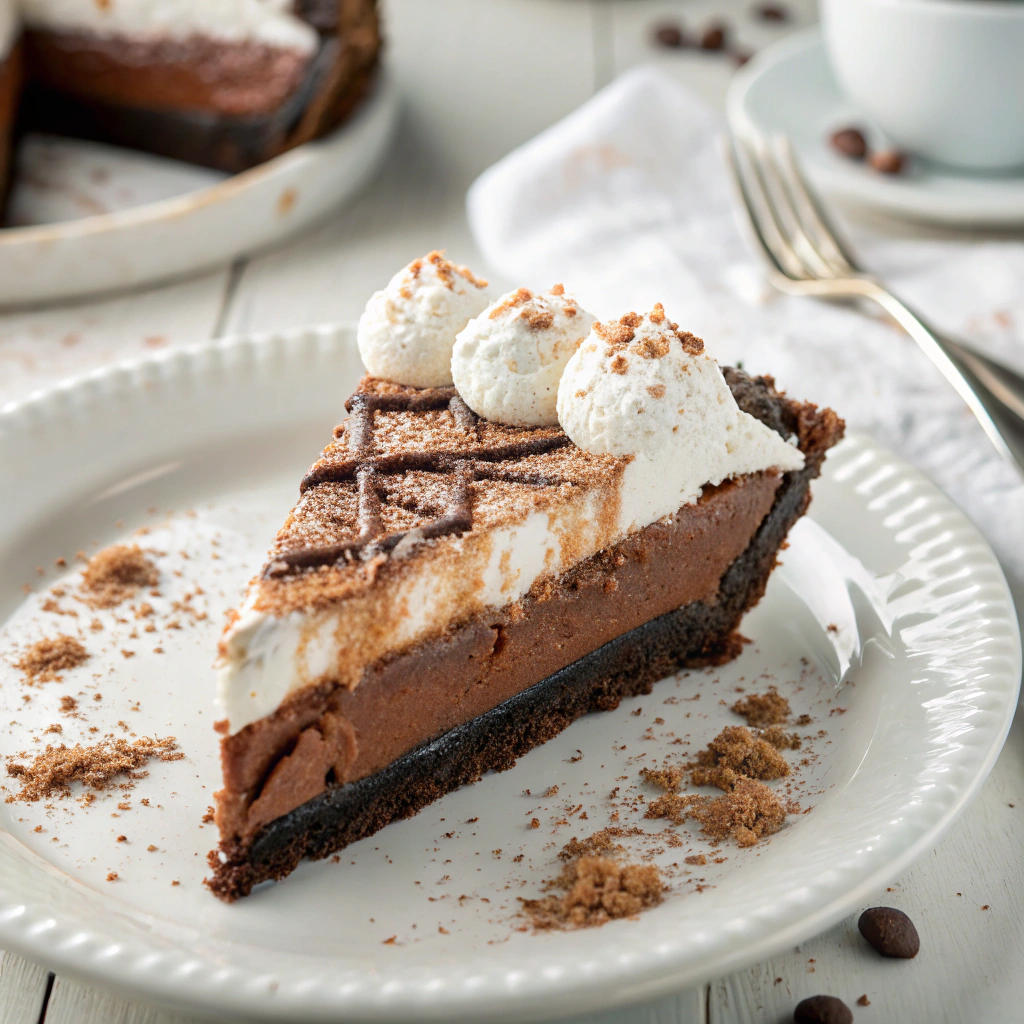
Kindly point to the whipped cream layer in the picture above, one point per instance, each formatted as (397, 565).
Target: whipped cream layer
(272, 22)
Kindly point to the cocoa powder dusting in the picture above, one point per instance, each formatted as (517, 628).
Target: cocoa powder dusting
(116, 574)
(47, 658)
(52, 772)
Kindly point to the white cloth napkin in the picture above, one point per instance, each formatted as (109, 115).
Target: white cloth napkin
(626, 202)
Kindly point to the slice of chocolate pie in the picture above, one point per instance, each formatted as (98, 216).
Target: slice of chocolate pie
(469, 569)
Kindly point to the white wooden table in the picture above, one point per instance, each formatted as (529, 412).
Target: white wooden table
(479, 77)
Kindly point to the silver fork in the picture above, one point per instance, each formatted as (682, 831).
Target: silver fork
(806, 256)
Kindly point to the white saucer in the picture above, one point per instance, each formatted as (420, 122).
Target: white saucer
(204, 448)
(95, 218)
(789, 89)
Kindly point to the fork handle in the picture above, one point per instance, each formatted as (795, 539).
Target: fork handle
(993, 392)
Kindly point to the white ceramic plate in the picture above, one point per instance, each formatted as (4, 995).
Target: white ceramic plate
(141, 219)
(205, 447)
(789, 88)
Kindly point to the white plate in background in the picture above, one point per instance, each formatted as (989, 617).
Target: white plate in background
(789, 88)
(205, 448)
(140, 219)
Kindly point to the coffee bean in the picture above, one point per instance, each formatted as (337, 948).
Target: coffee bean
(772, 12)
(822, 1010)
(850, 142)
(670, 35)
(714, 36)
(887, 161)
(890, 931)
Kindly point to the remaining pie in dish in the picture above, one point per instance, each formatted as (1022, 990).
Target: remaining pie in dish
(471, 567)
(224, 83)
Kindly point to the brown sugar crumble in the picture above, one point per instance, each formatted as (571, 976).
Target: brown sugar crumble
(763, 709)
(47, 658)
(116, 574)
(52, 772)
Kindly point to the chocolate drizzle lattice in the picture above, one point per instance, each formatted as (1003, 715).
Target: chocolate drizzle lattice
(478, 461)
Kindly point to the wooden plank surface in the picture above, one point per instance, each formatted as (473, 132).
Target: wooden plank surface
(74, 1003)
(479, 77)
(24, 988)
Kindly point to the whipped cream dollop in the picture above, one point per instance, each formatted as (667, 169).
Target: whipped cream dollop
(407, 331)
(641, 387)
(508, 361)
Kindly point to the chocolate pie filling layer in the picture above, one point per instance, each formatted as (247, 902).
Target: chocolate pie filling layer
(334, 764)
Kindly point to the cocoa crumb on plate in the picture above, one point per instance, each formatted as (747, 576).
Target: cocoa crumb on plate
(763, 709)
(116, 574)
(596, 890)
(748, 813)
(47, 658)
(52, 772)
(733, 753)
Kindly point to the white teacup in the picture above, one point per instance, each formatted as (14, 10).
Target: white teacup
(943, 78)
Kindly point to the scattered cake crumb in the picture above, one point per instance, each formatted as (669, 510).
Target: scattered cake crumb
(47, 658)
(112, 876)
(763, 709)
(52, 772)
(116, 574)
(696, 859)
